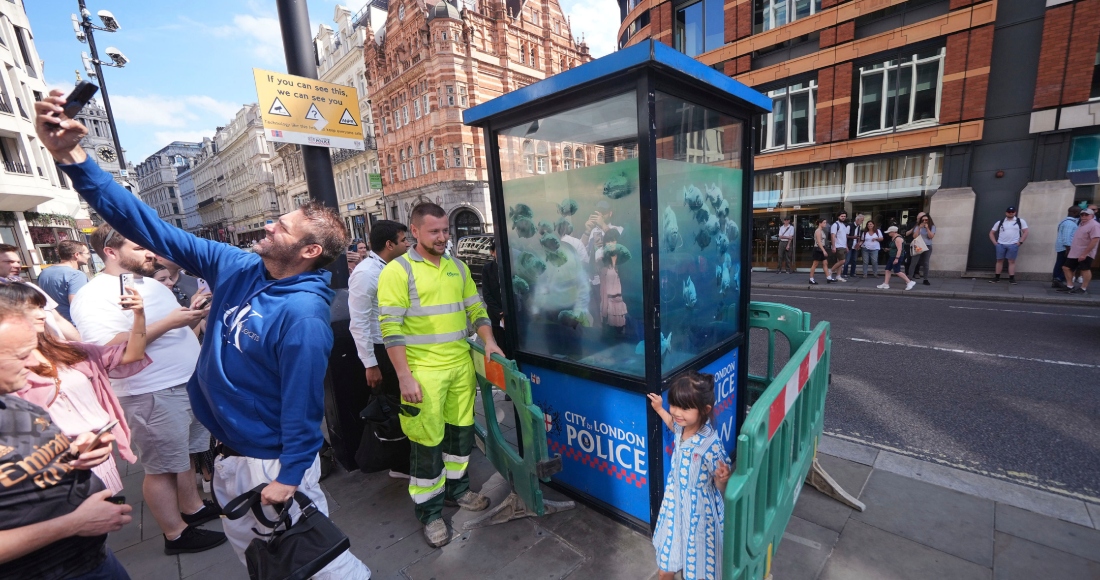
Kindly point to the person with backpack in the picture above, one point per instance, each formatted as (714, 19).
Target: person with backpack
(838, 235)
(1007, 235)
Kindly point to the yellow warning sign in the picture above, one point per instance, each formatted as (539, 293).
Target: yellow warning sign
(307, 111)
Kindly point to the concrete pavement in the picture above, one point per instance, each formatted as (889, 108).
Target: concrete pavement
(922, 521)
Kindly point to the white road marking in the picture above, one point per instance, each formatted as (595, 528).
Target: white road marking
(800, 540)
(803, 297)
(1027, 312)
(990, 354)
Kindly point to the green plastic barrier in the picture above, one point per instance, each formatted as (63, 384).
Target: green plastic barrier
(777, 442)
(522, 472)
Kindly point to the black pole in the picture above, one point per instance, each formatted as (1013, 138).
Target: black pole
(300, 61)
(86, 24)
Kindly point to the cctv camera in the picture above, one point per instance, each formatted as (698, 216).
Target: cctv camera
(88, 68)
(78, 30)
(109, 21)
(117, 56)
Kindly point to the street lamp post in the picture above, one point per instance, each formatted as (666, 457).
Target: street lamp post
(84, 30)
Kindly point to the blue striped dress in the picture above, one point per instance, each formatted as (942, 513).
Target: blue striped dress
(688, 537)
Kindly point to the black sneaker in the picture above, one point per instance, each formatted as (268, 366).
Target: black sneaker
(1079, 291)
(1012, 281)
(193, 540)
(210, 511)
(1066, 289)
(926, 282)
(812, 281)
(995, 281)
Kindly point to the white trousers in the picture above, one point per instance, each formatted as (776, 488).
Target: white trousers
(234, 476)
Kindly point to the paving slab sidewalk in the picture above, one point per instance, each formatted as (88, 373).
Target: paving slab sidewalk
(968, 288)
(917, 524)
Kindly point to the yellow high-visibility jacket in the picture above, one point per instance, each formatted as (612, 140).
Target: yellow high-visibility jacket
(429, 310)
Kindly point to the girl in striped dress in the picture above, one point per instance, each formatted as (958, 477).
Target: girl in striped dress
(688, 537)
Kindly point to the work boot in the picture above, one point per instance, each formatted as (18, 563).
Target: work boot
(470, 501)
(436, 533)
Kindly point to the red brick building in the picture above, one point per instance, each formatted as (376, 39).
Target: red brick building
(428, 63)
(889, 107)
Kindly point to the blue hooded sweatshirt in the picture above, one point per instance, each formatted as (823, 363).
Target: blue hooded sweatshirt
(259, 383)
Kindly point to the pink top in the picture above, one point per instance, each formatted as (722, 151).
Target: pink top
(85, 391)
(1085, 234)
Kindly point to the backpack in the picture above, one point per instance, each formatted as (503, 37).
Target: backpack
(1000, 227)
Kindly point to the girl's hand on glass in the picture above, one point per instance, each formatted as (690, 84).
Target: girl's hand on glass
(655, 402)
(132, 301)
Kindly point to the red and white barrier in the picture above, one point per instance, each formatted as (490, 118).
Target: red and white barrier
(783, 403)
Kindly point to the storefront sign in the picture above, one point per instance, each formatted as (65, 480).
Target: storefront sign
(375, 180)
(600, 432)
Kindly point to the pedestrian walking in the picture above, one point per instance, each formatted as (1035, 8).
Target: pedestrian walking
(895, 252)
(71, 380)
(688, 535)
(427, 301)
(854, 241)
(1066, 228)
(821, 250)
(1082, 252)
(259, 386)
(63, 280)
(871, 244)
(54, 517)
(786, 246)
(388, 239)
(925, 231)
(1007, 235)
(838, 237)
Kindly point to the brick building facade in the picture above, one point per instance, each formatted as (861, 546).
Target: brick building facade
(889, 107)
(429, 62)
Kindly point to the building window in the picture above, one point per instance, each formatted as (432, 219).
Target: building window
(1095, 94)
(404, 171)
(405, 114)
(567, 159)
(772, 13)
(469, 157)
(416, 108)
(401, 12)
(423, 165)
(458, 156)
(529, 156)
(902, 93)
(578, 158)
(427, 105)
(699, 27)
(542, 160)
(599, 158)
(791, 121)
(431, 161)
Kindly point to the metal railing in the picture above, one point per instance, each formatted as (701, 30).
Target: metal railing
(5, 106)
(16, 167)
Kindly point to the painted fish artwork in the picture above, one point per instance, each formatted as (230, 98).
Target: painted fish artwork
(617, 250)
(524, 227)
(712, 225)
(564, 227)
(557, 257)
(520, 210)
(550, 241)
(722, 210)
(666, 345)
(573, 318)
(530, 266)
(545, 227)
(702, 238)
(520, 285)
(617, 187)
(722, 275)
(690, 297)
(672, 237)
(714, 195)
(567, 207)
(721, 243)
(693, 198)
(702, 215)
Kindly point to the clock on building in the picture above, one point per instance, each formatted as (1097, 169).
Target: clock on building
(106, 154)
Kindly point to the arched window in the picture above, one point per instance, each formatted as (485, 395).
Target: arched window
(567, 158)
(401, 153)
(599, 158)
(542, 161)
(410, 152)
(431, 143)
(421, 148)
(534, 56)
(529, 156)
(467, 224)
(579, 160)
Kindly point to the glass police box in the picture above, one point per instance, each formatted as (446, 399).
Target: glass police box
(620, 196)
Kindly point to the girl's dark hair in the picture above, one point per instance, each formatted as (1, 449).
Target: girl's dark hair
(693, 390)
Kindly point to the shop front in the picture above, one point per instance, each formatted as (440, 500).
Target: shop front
(887, 190)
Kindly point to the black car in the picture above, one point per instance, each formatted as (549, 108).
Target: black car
(474, 250)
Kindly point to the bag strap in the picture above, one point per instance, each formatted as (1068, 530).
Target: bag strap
(239, 506)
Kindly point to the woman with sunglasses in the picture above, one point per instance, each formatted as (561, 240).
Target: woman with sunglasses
(72, 380)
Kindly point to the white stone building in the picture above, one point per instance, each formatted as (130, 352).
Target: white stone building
(210, 188)
(158, 179)
(245, 158)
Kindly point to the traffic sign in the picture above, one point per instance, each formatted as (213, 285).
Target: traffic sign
(298, 110)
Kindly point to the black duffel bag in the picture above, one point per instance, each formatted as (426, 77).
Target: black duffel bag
(383, 446)
(291, 551)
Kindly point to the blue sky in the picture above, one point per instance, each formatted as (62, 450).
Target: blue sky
(191, 62)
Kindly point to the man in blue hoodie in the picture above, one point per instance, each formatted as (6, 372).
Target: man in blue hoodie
(258, 386)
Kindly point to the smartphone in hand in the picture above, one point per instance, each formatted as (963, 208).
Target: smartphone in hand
(95, 441)
(125, 281)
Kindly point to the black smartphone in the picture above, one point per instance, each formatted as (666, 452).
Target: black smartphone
(203, 303)
(80, 96)
(117, 499)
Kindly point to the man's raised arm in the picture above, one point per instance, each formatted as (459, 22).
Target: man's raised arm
(120, 208)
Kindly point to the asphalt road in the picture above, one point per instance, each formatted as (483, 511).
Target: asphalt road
(1021, 401)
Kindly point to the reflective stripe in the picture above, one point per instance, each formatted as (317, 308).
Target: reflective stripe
(436, 338)
(426, 496)
(481, 322)
(456, 473)
(393, 340)
(392, 310)
(447, 457)
(414, 296)
(475, 299)
(435, 309)
(423, 483)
